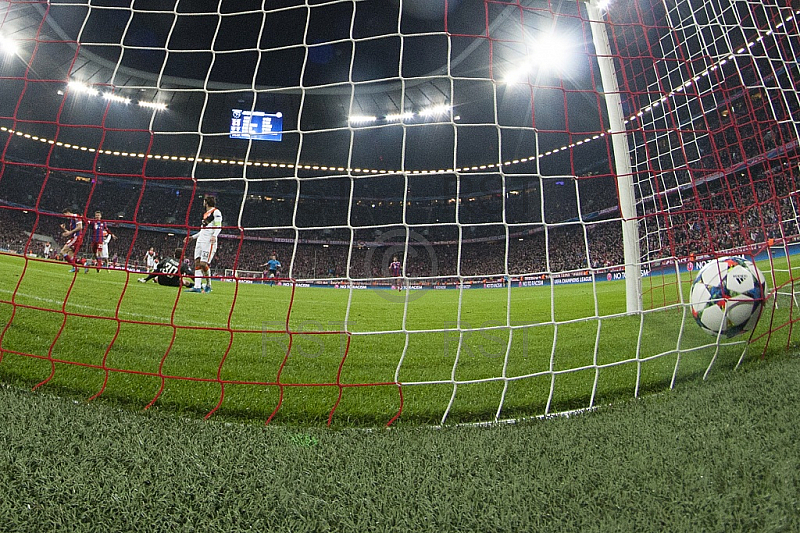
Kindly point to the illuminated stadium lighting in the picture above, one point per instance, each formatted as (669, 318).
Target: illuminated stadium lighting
(362, 119)
(153, 105)
(435, 111)
(7, 45)
(516, 76)
(548, 45)
(116, 98)
(82, 88)
(399, 117)
(551, 44)
(549, 53)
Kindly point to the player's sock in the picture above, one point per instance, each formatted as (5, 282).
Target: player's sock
(198, 278)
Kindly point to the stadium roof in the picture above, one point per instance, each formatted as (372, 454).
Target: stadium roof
(345, 55)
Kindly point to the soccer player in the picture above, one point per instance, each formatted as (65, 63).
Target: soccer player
(396, 271)
(172, 272)
(47, 250)
(98, 231)
(205, 245)
(73, 231)
(104, 249)
(272, 268)
(150, 260)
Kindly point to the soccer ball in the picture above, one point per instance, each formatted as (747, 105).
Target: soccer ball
(727, 296)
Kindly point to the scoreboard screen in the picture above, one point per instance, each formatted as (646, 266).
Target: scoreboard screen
(256, 125)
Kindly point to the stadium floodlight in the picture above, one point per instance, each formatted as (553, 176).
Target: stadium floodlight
(517, 75)
(82, 88)
(7, 45)
(116, 98)
(153, 105)
(399, 117)
(549, 53)
(361, 119)
(436, 111)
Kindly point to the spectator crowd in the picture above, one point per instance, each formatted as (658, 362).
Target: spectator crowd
(724, 216)
(733, 184)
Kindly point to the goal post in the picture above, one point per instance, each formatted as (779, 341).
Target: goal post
(622, 159)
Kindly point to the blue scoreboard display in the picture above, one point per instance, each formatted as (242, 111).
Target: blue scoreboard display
(256, 125)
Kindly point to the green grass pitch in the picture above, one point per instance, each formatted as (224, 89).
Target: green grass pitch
(253, 352)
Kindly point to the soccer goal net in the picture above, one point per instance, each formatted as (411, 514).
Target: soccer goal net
(427, 211)
(252, 275)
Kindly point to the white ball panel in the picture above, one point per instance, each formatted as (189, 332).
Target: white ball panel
(760, 278)
(712, 318)
(710, 274)
(739, 280)
(700, 297)
(739, 310)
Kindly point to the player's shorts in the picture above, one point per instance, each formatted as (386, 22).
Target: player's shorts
(273, 273)
(75, 242)
(104, 251)
(204, 250)
(169, 281)
(97, 247)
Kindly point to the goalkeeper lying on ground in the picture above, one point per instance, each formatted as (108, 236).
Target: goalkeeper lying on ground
(171, 272)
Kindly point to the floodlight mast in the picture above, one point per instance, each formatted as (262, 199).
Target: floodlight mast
(622, 158)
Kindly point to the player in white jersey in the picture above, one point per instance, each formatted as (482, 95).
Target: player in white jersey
(104, 250)
(205, 245)
(150, 260)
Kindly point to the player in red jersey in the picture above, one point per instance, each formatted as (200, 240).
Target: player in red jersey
(98, 232)
(73, 231)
